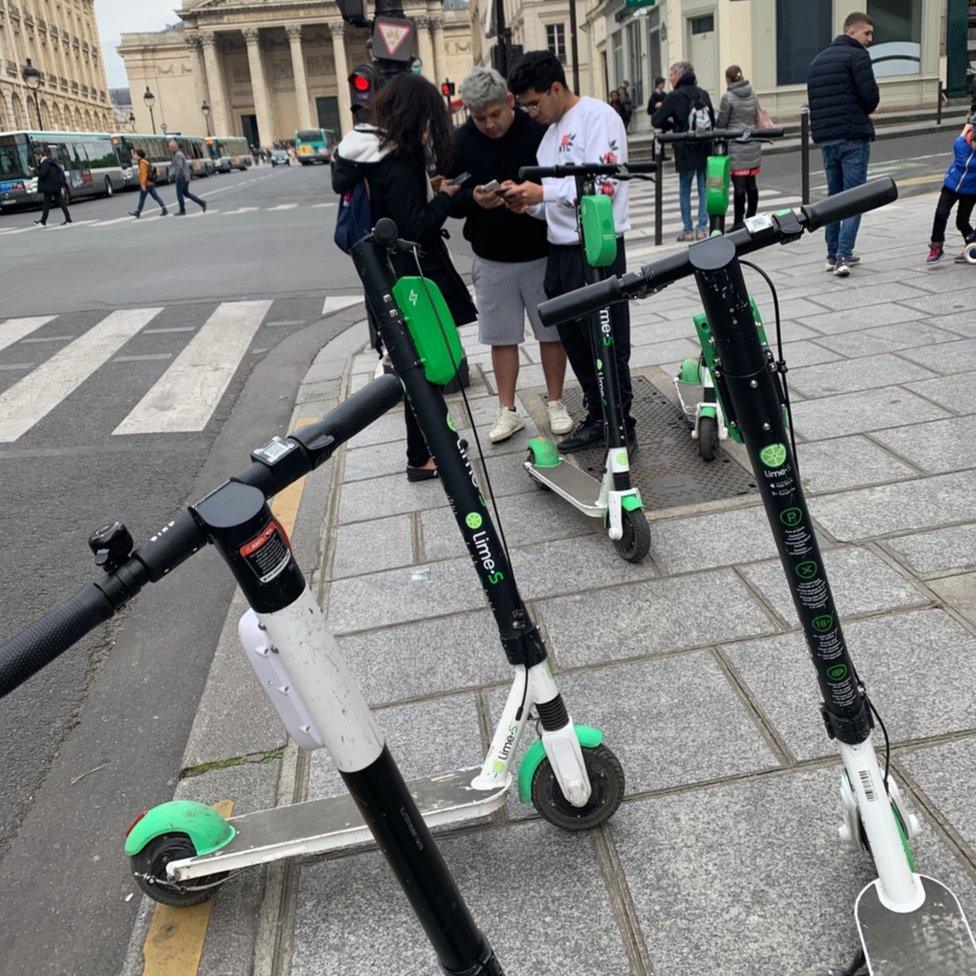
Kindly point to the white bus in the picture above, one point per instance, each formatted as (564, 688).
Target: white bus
(156, 148)
(229, 153)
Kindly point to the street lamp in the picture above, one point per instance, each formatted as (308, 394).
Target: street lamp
(205, 108)
(150, 99)
(132, 121)
(32, 79)
(164, 127)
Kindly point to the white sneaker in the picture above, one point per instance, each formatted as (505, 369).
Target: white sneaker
(560, 421)
(507, 422)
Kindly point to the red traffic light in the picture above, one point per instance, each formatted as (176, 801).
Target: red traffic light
(360, 83)
(447, 88)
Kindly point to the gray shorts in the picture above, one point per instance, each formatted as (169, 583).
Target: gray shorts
(504, 293)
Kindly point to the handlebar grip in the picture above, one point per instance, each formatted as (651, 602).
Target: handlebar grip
(361, 409)
(40, 642)
(850, 203)
(580, 302)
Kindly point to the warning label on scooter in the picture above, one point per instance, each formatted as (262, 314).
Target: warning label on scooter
(268, 553)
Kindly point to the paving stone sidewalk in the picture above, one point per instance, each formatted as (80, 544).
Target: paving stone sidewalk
(724, 857)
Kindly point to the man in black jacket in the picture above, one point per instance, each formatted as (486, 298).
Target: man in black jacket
(51, 182)
(684, 104)
(842, 94)
(510, 250)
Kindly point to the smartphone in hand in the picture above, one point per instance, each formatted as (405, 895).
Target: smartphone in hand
(491, 187)
(460, 179)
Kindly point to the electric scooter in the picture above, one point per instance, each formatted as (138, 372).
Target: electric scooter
(694, 384)
(908, 922)
(613, 498)
(303, 671)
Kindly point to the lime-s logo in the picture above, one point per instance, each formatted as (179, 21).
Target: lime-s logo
(450, 421)
(791, 517)
(837, 672)
(498, 766)
(622, 458)
(807, 570)
(823, 623)
(473, 520)
(607, 340)
(773, 455)
(413, 297)
(496, 577)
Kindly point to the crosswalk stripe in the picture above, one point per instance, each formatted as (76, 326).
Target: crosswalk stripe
(284, 206)
(13, 330)
(20, 230)
(116, 220)
(240, 210)
(186, 395)
(31, 399)
(336, 303)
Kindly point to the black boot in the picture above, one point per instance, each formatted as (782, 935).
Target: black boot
(587, 433)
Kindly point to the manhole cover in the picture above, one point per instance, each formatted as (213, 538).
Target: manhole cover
(668, 470)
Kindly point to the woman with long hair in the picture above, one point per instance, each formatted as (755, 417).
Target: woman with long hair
(409, 141)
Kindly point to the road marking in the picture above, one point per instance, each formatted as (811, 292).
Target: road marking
(22, 230)
(336, 303)
(116, 220)
(13, 366)
(31, 399)
(286, 504)
(241, 210)
(919, 180)
(48, 339)
(319, 206)
(147, 357)
(174, 943)
(283, 206)
(283, 323)
(175, 328)
(73, 224)
(13, 330)
(186, 395)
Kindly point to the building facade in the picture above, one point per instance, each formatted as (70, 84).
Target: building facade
(61, 39)
(266, 68)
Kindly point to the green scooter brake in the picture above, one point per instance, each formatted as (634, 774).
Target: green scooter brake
(599, 230)
(431, 326)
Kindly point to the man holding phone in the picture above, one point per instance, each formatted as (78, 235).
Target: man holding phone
(580, 130)
(510, 250)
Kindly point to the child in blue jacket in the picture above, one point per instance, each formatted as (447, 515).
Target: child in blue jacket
(960, 185)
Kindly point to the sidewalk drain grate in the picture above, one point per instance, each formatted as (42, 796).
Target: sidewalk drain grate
(668, 469)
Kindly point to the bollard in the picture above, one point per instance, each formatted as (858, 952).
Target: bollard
(805, 151)
(659, 194)
(938, 101)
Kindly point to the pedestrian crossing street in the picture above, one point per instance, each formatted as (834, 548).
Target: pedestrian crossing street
(186, 366)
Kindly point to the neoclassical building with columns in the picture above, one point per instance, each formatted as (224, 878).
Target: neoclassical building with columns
(266, 68)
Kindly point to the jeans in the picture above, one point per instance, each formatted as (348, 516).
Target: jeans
(845, 165)
(947, 199)
(150, 191)
(684, 199)
(183, 194)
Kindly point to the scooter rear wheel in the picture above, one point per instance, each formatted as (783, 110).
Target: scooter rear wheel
(635, 543)
(149, 870)
(607, 782)
(708, 438)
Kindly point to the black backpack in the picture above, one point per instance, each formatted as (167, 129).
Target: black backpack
(153, 175)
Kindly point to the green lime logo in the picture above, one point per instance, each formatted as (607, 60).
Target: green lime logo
(607, 340)
(837, 672)
(807, 570)
(622, 457)
(773, 456)
(498, 766)
(791, 517)
(823, 623)
(599, 364)
(473, 520)
(450, 421)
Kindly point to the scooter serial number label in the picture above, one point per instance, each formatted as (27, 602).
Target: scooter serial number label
(268, 553)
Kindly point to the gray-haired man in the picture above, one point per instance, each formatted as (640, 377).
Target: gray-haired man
(182, 174)
(510, 250)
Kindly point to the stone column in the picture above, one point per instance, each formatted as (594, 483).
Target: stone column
(425, 49)
(439, 66)
(301, 80)
(219, 109)
(338, 29)
(201, 93)
(259, 86)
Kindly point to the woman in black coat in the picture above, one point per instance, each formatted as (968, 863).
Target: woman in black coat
(410, 140)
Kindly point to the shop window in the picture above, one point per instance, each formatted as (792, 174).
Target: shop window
(803, 30)
(897, 48)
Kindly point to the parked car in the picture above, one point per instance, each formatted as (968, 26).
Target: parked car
(280, 157)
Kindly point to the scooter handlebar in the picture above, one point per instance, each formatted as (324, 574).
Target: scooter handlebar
(41, 641)
(620, 170)
(576, 304)
(777, 132)
(850, 203)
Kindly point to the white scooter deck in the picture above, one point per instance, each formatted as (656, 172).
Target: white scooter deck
(334, 823)
(572, 483)
(934, 940)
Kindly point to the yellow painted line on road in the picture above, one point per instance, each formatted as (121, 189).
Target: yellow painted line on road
(919, 180)
(174, 945)
(286, 503)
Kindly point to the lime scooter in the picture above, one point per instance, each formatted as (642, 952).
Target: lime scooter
(695, 385)
(304, 673)
(909, 924)
(613, 498)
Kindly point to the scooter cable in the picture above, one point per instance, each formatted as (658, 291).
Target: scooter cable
(781, 366)
(887, 741)
(467, 407)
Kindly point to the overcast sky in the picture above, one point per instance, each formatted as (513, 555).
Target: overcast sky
(118, 16)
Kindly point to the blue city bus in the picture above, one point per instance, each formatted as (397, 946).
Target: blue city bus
(88, 159)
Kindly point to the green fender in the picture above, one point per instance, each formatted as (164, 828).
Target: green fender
(631, 503)
(544, 453)
(691, 371)
(207, 829)
(589, 738)
(708, 412)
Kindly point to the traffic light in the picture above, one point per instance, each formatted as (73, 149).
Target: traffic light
(447, 89)
(363, 85)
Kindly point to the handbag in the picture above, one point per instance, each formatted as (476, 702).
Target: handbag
(763, 119)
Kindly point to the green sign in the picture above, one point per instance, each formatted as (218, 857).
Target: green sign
(636, 4)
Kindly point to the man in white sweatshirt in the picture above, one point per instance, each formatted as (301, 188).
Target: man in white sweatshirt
(581, 130)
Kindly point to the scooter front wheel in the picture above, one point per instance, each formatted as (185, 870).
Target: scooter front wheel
(149, 870)
(607, 784)
(708, 438)
(635, 543)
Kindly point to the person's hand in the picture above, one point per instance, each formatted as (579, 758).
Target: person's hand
(521, 195)
(447, 187)
(437, 182)
(967, 132)
(488, 199)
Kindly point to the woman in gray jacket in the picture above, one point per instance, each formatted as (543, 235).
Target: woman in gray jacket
(738, 110)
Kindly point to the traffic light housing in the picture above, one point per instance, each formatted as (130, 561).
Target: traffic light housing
(363, 84)
(447, 89)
